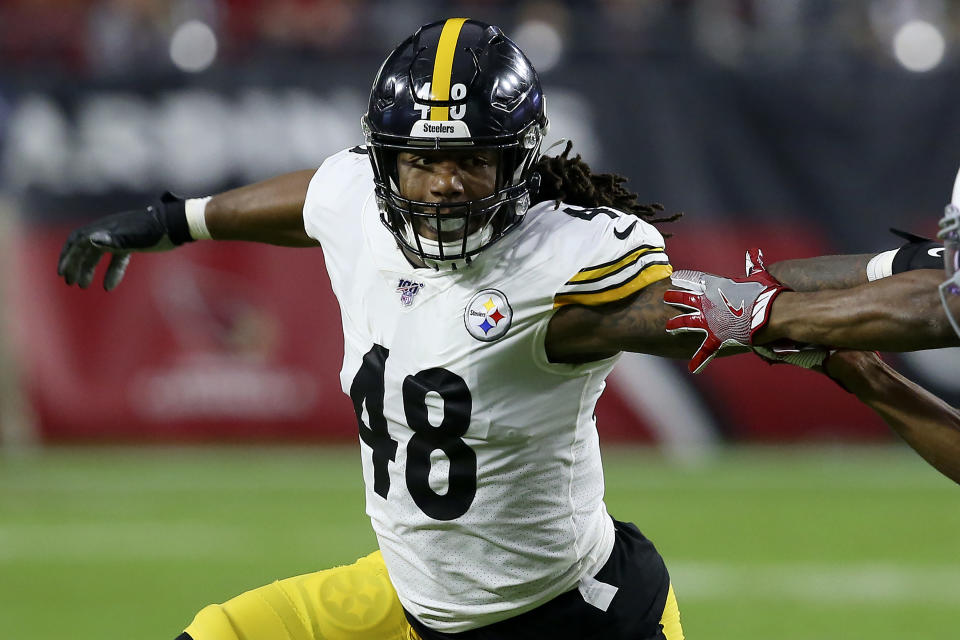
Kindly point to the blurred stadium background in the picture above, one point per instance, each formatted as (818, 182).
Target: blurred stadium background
(784, 508)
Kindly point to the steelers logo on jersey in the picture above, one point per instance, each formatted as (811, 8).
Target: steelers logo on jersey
(488, 315)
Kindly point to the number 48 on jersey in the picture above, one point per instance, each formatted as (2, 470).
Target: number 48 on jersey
(367, 389)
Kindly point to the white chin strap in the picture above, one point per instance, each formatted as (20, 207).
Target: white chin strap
(474, 241)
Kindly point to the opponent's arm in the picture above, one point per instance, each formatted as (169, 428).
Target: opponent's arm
(822, 272)
(899, 313)
(270, 211)
(846, 271)
(924, 421)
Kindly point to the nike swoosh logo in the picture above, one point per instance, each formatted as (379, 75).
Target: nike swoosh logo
(738, 311)
(622, 235)
(936, 252)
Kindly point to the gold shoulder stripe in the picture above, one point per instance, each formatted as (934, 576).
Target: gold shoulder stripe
(615, 260)
(648, 275)
(607, 268)
(443, 66)
(613, 283)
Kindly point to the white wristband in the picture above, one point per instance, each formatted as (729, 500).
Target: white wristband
(881, 265)
(195, 209)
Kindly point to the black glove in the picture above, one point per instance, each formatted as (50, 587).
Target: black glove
(918, 253)
(159, 227)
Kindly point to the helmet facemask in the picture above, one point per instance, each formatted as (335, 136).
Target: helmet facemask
(950, 288)
(451, 234)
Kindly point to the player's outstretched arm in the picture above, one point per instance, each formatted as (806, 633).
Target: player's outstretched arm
(924, 421)
(579, 333)
(269, 211)
(656, 320)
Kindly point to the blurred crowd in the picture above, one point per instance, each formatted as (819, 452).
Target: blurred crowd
(104, 37)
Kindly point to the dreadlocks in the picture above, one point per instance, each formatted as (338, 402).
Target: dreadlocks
(570, 180)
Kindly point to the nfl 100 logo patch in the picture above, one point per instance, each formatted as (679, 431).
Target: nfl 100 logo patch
(488, 315)
(408, 290)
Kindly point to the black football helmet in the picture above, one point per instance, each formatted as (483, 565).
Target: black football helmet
(457, 84)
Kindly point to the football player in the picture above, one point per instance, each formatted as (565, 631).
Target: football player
(485, 293)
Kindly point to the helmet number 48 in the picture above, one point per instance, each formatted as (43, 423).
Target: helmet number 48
(457, 92)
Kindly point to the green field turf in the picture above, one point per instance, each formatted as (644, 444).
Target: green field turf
(792, 545)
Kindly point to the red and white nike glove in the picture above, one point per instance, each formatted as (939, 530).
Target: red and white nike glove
(728, 310)
(799, 354)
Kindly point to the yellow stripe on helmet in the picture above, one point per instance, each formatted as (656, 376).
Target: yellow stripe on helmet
(443, 67)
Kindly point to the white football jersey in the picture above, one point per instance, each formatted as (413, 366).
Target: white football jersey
(480, 457)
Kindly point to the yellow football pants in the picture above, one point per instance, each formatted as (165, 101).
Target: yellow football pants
(670, 620)
(353, 602)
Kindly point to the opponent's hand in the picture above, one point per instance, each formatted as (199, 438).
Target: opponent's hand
(729, 311)
(808, 356)
(158, 227)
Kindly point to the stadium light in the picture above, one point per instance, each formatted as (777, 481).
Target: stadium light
(542, 43)
(919, 46)
(193, 46)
